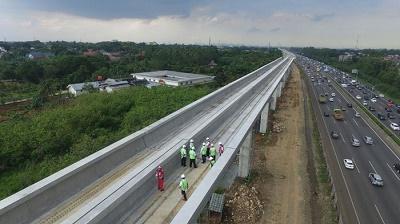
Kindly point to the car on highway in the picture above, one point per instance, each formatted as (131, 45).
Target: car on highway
(373, 100)
(355, 142)
(394, 127)
(356, 114)
(348, 163)
(334, 135)
(326, 114)
(365, 103)
(333, 94)
(368, 140)
(358, 97)
(396, 167)
(371, 108)
(349, 105)
(375, 179)
(331, 99)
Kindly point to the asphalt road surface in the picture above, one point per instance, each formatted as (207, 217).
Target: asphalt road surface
(364, 203)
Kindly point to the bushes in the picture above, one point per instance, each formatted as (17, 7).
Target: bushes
(32, 149)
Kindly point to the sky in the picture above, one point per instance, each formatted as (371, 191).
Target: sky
(318, 23)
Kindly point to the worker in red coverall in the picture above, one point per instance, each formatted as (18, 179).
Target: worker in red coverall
(160, 178)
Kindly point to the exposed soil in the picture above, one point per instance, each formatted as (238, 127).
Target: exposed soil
(278, 190)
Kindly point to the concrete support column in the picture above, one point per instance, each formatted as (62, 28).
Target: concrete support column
(244, 157)
(264, 119)
(273, 101)
(279, 89)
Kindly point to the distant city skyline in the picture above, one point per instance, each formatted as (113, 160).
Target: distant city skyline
(318, 23)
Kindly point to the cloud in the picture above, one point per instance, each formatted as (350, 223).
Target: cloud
(115, 9)
(320, 17)
(276, 29)
(253, 30)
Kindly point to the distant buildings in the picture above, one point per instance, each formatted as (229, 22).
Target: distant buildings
(173, 78)
(393, 58)
(3, 51)
(37, 55)
(112, 56)
(346, 57)
(109, 85)
(212, 64)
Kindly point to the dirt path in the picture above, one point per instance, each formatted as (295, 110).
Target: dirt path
(279, 172)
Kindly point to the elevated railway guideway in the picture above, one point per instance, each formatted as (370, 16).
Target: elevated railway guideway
(116, 184)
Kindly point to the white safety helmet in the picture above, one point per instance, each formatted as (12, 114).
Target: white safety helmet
(204, 143)
(191, 140)
(212, 144)
(184, 146)
(207, 138)
(183, 176)
(211, 158)
(220, 143)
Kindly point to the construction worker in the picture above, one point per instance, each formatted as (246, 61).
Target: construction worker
(203, 152)
(221, 148)
(208, 144)
(191, 144)
(192, 157)
(183, 185)
(213, 152)
(160, 178)
(212, 161)
(183, 155)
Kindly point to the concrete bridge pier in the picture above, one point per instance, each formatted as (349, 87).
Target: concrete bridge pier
(264, 119)
(274, 98)
(245, 154)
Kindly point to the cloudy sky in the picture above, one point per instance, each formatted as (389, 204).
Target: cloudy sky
(319, 23)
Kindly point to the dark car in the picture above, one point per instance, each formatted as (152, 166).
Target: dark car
(343, 108)
(366, 97)
(390, 116)
(388, 109)
(371, 108)
(396, 167)
(326, 114)
(334, 135)
(398, 110)
(349, 105)
(381, 117)
(326, 94)
(375, 179)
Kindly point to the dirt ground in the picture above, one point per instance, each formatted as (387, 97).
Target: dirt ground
(278, 190)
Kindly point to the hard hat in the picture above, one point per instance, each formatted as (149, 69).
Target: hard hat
(183, 176)
(184, 146)
(207, 138)
(159, 167)
(212, 144)
(211, 158)
(220, 143)
(191, 140)
(204, 143)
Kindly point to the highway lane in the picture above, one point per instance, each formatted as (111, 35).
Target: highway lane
(379, 105)
(373, 205)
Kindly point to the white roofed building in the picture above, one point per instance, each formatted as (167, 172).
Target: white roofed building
(172, 78)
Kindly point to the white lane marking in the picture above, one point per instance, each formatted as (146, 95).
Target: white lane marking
(340, 167)
(356, 123)
(376, 134)
(342, 137)
(377, 210)
(390, 168)
(372, 166)
(354, 162)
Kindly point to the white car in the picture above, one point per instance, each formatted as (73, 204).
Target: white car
(373, 100)
(358, 97)
(333, 94)
(331, 99)
(348, 163)
(365, 103)
(356, 114)
(395, 127)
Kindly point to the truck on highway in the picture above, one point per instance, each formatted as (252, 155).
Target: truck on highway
(338, 114)
(322, 98)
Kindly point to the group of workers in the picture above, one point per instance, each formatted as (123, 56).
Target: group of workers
(207, 151)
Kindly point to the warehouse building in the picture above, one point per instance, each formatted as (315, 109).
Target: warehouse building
(173, 78)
